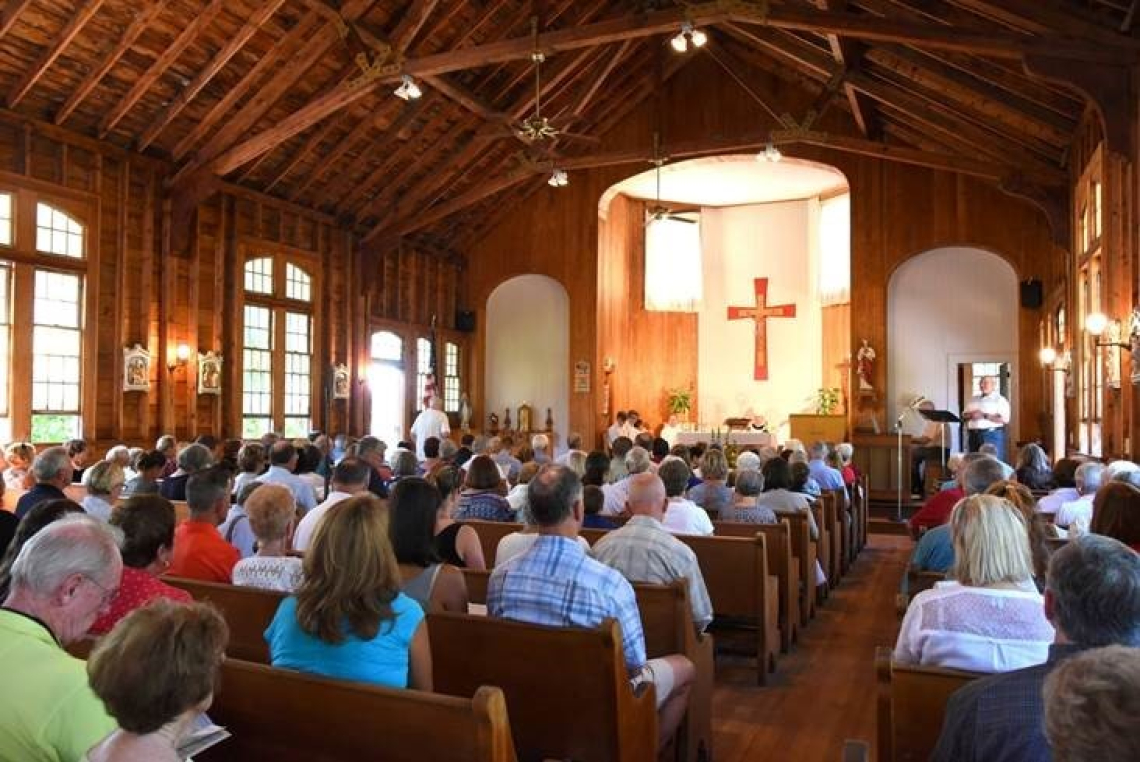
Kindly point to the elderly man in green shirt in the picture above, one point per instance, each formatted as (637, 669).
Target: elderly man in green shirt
(63, 578)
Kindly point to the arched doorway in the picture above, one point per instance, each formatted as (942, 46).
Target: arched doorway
(528, 349)
(952, 315)
(386, 382)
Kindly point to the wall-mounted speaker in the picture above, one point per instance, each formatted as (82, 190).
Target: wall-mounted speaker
(465, 321)
(1032, 294)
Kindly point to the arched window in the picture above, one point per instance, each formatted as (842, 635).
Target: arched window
(451, 377)
(424, 377)
(277, 352)
(41, 337)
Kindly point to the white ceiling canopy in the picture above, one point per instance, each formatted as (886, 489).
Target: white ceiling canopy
(731, 181)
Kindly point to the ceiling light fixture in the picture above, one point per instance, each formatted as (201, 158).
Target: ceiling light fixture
(408, 89)
(770, 153)
(558, 179)
(689, 35)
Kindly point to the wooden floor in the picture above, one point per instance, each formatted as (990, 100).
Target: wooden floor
(823, 692)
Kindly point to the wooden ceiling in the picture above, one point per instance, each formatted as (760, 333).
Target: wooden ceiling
(293, 98)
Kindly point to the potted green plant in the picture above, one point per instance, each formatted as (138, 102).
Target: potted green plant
(679, 402)
(826, 400)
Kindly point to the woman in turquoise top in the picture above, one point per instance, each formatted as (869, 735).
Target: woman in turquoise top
(349, 619)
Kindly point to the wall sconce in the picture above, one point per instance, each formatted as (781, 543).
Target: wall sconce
(1052, 361)
(1098, 324)
(181, 357)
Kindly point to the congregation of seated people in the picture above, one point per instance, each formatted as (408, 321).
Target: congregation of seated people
(363, 541)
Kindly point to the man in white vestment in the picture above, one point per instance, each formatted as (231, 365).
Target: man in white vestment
(431, 422)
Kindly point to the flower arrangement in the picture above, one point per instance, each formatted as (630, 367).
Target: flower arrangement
(826, 400)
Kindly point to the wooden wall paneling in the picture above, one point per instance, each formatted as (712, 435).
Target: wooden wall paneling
(149, 321)
(231, 323)
(122, 289)
(94, 398)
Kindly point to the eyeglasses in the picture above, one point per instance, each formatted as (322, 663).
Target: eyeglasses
(108, 595)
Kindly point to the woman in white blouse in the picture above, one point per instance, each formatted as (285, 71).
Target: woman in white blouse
(991, 617)
(272, 515)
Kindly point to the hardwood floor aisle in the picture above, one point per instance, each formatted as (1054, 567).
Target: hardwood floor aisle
(823, 692)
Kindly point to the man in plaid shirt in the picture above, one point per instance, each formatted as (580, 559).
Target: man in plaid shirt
(556, 583)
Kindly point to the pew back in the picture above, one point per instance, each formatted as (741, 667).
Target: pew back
(490, 532)
(549, 674)
(247, 611)
(781, 564)
(288, 716)
(911, 703)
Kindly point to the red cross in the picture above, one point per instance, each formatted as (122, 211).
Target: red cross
(760, 313)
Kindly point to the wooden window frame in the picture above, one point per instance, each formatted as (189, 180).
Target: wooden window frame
(253, 248)
(1089, 276)
(25, 260)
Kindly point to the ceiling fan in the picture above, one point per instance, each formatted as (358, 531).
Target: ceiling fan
(537, 129)
(659, 211)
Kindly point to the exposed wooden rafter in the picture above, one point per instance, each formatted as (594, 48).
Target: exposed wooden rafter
(215, 65)
(143, 18)
(168, 56)
(10, 13)
(74, 26)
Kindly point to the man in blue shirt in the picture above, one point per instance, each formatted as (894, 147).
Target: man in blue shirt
(825, 475)
(556, 583)
(1092, 597)
(282, 461)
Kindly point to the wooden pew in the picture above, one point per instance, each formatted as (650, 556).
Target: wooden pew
(247, 611)
(911, 703)
(736, 575)
(834, 506)
(823, 547)
(805, 550)
(667, 621)
(287, 716)
(567, 690)
(782, 564)
(181, 511)
(490, 532)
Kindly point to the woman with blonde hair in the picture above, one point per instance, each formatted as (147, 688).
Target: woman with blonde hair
(1039, 529)
(272, 513)
(713, 493)
(156, 673)
(348, 619)
(104, 482)
(990, 617)
(18, 475)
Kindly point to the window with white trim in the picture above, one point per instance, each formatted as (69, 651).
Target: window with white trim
(451, 377)
(6, 219)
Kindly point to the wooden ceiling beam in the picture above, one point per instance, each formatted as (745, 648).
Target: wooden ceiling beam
(412, 23)
(189, 33)
(848, 54)
(74, 26)
(608, 66)
(10, 13)
(233, 45)
(791, 48)
(980, 96)
(297, 157)
(285, 77)
(1043, 17)
(142, 19)
(271, 61)
(466, 99)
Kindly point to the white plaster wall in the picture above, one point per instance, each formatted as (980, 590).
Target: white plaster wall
(944, 307)
(528, 349)
(741, 243)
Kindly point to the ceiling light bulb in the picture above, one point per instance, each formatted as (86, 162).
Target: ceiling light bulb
(408, 89)
(698, 38)
(558, 179)
(680, 43)
(770, 153)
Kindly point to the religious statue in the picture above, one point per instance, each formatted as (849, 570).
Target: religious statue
(525, 417)
(493, 423)
(464, 413)
(865, 366)
(1134, 342)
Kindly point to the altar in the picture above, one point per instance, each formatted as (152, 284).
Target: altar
(738, 438)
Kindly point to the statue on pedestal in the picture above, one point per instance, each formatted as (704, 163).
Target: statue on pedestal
(865, 367)
(464, 413)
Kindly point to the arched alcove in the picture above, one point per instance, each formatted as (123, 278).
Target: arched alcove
(528, 349)
(945, 307)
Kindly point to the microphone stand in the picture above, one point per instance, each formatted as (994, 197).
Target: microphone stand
(899, 453)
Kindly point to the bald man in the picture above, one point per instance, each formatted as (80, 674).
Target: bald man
(644, 551)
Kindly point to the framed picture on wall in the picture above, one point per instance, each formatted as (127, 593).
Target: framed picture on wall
(209, 373)
(340, 381)
(136, 369)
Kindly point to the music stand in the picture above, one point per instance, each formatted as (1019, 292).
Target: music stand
(942, 417)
